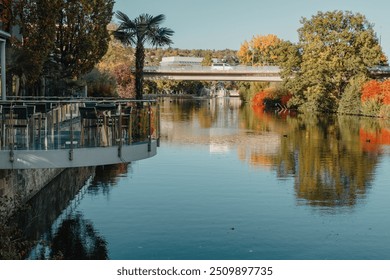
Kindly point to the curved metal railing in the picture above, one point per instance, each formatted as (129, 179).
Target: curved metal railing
(31, 126)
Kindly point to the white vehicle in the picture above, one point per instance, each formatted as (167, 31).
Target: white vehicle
(221, 66)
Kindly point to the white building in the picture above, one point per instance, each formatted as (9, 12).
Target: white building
(181, 61)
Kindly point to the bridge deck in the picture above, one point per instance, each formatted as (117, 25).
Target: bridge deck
(233, 73)
(207, 73)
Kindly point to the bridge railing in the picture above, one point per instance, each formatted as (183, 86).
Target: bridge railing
(210, 69)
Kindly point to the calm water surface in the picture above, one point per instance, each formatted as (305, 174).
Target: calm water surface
(232, 182)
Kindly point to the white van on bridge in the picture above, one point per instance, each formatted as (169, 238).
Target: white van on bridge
(221, 66)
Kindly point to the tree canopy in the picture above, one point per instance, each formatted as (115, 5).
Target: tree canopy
(260, 50)
(81, 36)
(334, 47)
(59, 39)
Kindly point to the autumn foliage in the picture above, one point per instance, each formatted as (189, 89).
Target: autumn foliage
(386, 92)
(260, 98)
(271, 96)
(260, 50)
(375, 90)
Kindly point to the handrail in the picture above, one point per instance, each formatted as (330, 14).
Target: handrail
(63, 127)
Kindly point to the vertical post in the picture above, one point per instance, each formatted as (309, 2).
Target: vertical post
(120, 133)
(150, 127)
(158, 125)
(3, 71)
(71, 133)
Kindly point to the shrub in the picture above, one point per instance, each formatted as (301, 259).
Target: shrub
(371, 107)
(271, 97)
(371, 90)
(386, 92)
(376, 98)
(125, 80)
(385, 111)
(100, 84)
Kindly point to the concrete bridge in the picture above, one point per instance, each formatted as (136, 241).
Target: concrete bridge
(208, 73)
(233, 73)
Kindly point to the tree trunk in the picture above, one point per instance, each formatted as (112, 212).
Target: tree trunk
(139, 68)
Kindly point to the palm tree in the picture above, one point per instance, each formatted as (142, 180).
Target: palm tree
(145, 29)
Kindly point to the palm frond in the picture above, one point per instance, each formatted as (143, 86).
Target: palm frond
(125, 37)
(125, 22)
(157, 20)
(161, 36)
(122, 16)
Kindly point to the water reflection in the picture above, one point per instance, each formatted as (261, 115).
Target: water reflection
(107, 176)
(331, 159)
(76, 239)
(52, 216)
(232, 182)
(45, 207)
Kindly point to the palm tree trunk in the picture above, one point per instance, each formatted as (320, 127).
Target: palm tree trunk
(139, 69)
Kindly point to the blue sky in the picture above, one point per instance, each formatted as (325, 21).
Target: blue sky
(225, 24)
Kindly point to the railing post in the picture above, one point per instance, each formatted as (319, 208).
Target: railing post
(71, 133)
(120, 131)
(150, 127)
(130, 128)
(158, 124)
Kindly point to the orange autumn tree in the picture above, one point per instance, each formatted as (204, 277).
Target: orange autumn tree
(376, 98)
(386, 92)
(271, 97)
(371, 90)
(260, 50)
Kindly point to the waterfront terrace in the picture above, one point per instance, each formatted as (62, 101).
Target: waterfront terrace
(61, 133)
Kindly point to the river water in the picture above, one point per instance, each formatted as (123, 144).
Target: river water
(233, 182)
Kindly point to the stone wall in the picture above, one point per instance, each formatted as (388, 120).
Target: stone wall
(22, 185)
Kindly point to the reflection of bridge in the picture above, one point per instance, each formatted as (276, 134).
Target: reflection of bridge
(234, 73)
(206, 73)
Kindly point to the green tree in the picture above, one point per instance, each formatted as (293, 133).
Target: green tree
(208, 59)
(350, 101)
(81, 36)
(61, 39)
(36, 25)
(145, 29)
(334, 47)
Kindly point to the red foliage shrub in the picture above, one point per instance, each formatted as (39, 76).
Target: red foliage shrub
(371, 90)
(285, 99)
(386, 92)
(258, 99)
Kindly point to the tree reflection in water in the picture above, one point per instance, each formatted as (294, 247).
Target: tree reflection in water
(107, 176)
(331, 165)
(76, 239)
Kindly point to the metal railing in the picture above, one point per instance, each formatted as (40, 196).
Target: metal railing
(49, 124)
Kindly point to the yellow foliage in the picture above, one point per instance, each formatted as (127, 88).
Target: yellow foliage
(259, 51)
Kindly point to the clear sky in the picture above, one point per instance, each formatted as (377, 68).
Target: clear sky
(226, 24)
